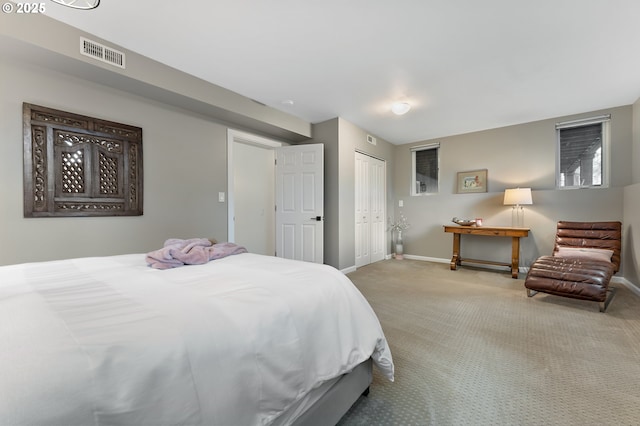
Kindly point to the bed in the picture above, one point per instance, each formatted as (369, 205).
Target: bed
(242, 340)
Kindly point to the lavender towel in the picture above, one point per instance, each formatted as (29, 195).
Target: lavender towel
(194, 251)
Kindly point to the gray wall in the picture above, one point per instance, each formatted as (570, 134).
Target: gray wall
(185, 122)
(631, 231)
(631, 234)
(54, 45)
(184, 169)
(515, 156)
(342, 139)
(636, 142)
(327, 134)
(187, 150)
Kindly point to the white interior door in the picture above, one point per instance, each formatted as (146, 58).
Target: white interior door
(300, 202)
(370, 209)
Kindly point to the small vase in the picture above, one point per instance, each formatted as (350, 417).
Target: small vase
(399, 245)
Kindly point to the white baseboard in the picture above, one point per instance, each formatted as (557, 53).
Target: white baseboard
(427, 259)
(625, 282)
(348, 270)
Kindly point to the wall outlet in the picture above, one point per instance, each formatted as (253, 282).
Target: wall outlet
(221, 197)
(400, 203)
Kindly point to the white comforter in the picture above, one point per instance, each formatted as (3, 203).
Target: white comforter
(232, 342)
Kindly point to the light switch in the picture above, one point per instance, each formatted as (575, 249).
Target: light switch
(400, 203)
(221, 197)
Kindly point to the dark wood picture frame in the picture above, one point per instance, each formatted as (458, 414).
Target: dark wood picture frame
(75, 165)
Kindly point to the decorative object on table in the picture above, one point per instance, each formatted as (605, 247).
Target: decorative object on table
(472, 181)
(398, 242)
(516, 198)
(463, 222)
(478, 221)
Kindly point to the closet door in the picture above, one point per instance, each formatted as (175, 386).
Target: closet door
(362, 212)
(370, 211)
(377, 208)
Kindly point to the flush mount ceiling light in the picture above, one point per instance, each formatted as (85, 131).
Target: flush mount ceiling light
(79, 4)
(400, 108)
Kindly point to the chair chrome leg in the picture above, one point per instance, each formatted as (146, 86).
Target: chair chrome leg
(611, 291)
(531, 293)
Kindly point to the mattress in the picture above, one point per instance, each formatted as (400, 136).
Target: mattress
(239, 340)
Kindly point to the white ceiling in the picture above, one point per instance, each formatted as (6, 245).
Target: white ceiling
(464, 65)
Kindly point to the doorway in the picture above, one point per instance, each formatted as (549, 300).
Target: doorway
(251, 191)
(275, 200)
(254, 198)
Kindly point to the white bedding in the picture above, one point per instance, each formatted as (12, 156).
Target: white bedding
(233, 342)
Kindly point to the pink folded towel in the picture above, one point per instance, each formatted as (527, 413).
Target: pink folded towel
(194, 251)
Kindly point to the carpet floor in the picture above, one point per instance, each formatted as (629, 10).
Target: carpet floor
(470, 348)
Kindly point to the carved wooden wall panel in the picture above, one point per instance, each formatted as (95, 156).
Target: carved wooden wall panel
(80, 166)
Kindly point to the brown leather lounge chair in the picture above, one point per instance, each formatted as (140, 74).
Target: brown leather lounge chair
(585, 257)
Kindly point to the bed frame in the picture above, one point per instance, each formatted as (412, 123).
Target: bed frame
(339, 398)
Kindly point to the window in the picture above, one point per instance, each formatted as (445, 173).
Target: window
(424, 161)
(582, 153)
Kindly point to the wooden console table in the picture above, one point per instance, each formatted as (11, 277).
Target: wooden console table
(489, 231)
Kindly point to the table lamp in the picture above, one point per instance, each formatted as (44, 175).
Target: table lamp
(517, 197)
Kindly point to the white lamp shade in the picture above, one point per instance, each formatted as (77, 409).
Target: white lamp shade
(517, 197)
(400, 108)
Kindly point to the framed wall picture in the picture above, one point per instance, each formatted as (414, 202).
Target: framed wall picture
(472, 181)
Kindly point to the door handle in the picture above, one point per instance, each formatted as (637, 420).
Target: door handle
(317, 218)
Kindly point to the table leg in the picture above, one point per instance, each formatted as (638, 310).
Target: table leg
(455, 260)
(515, 256)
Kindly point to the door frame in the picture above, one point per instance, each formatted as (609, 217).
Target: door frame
(237, 136)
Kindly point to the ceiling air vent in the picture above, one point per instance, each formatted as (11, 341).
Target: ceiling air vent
(101, 52)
